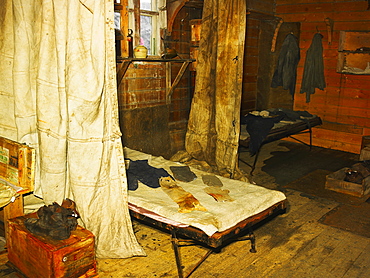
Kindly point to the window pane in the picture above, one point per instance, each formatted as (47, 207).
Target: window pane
(146, 5)
(146, 32)
(117, 20)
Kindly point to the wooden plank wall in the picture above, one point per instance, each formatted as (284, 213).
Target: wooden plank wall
(250, 72)
(182, 96)
(142, 93)
(344, 105)
(256, 10)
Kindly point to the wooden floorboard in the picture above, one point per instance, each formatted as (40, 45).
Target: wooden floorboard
(341, 260)
(306, 260)
(360, 267)
(299, 236)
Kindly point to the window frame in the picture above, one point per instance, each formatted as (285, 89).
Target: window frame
(159, 22)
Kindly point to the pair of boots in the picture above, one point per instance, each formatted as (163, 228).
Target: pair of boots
(54, 221)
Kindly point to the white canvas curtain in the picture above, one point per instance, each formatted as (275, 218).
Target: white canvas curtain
(58, 94)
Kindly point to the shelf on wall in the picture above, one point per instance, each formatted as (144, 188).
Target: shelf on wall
(354, 52)
(170, 86)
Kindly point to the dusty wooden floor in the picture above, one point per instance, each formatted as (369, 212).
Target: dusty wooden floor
(293, 244)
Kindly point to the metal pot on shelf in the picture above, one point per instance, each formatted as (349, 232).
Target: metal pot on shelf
(140, 51)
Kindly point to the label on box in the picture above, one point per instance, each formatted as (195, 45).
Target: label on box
(4, 155)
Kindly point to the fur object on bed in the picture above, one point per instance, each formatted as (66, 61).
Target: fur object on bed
(220, 195)
(183, 173)
(211, 180)
(186, 201)
(214, 189)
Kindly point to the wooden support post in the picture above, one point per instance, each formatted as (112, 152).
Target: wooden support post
(177, 80)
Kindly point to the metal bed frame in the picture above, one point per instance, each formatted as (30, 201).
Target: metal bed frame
(190, 236)
(288, 130)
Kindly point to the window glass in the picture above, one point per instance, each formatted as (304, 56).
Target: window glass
(146, 5)
(117, 20)
(152, 20)
(146, 31)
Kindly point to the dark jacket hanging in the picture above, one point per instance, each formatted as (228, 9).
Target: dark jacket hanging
(286, 69)
(313, 73)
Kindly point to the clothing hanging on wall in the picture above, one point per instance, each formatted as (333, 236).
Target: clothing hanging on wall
(313, 72)
(286, 69)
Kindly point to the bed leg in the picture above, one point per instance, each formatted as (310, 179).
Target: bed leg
(253, 243)
(252, 239)
(175, 245)
(255, 161)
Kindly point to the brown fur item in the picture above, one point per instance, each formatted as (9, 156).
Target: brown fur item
(186, 201)
(220, 195)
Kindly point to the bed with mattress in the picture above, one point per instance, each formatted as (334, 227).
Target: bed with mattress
(280, 129)
(226, 209)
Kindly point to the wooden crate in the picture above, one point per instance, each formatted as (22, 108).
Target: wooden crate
(365, 142)
(40, 257)
(365, 154)
(17, 164)
(336, 182)
(17, 167)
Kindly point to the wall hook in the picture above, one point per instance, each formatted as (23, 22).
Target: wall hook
(273, 45)
(329, 27)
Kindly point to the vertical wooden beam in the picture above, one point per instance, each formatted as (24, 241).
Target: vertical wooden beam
(137, 22)
(168, 81)
(124, 27)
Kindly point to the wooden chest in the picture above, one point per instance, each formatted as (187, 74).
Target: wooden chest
(39, 257)
(336, 182)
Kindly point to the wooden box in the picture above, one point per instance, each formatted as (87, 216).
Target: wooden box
(365, 142)
(39, 257)
(17, 164)
(17, 169)
(365, 154)
(354, 52)
(335, 181)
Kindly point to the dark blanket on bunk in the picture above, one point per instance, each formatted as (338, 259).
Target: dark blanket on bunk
(259, 127)
(289, 115)
(140, 170)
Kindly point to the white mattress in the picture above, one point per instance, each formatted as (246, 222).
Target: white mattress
(249, 199)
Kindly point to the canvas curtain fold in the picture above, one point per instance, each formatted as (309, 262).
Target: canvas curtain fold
(60, 97)
(213, 127)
